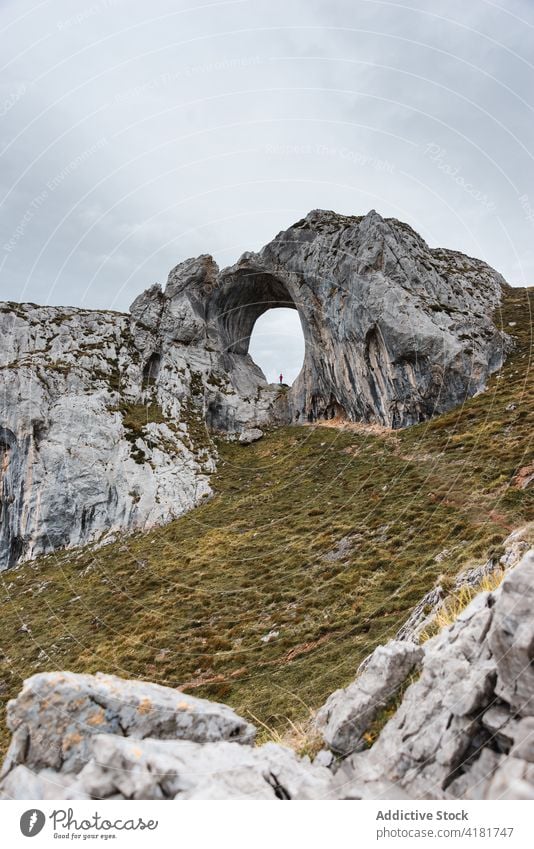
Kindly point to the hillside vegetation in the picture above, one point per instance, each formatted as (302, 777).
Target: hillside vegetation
(317, 544)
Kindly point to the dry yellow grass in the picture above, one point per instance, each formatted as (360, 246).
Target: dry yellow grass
(455, 603)
(301, 736)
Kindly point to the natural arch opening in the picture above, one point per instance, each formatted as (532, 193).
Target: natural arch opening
(239, 304)
(151, 369)
(277, 344)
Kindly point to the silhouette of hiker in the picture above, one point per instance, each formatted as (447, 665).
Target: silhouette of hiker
(281, 378)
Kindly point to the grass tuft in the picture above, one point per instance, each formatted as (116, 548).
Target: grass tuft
(456, 603)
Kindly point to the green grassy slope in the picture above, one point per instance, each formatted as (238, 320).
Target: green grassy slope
(322, 538)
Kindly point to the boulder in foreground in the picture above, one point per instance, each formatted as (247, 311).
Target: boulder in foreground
(56, 714)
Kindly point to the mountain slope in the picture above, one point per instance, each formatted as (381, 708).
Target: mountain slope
(314, 549)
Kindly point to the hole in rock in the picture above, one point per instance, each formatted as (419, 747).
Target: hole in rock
(151, 369)
(277, 344)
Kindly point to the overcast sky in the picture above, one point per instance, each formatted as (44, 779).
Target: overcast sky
(137, 134)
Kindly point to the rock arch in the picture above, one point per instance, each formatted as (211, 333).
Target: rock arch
(394, 331)
(257, 284)
(241, 300)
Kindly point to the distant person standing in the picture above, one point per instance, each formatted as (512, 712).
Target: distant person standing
(281, 378)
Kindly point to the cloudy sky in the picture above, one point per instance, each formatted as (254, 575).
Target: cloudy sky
(137, 134)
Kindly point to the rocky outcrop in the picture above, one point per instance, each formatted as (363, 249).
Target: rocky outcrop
(103, 424)
(349, 712)
(156, 769)
(463, 729)
(127, 768)
(85, 736)
(425, 612)
(395, 331)
(88, 445)
(56, 715)
(106, 418)
(250, 435)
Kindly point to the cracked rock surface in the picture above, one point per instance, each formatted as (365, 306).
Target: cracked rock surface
(464, 728)
(395, 331)
(57, 713)
(129, 768)
(348, 713)
(85, 736)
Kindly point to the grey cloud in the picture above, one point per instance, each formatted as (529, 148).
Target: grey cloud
(135, 136)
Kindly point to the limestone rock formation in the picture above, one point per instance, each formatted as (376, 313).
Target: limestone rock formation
(106, 418)
(133, 769)
(85, 736)
(423, 614)
(349, 712)
(129, 768)
(250, 435)
(462, 730)
(56, 714)
(87, 444)
(395, 331)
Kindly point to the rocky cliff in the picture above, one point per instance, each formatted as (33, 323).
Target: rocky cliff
(87, 444)
(395, 331)
(463, 728)
(106, 419)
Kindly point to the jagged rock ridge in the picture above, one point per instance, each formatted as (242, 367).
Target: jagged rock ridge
(464, 729)
(106, 418)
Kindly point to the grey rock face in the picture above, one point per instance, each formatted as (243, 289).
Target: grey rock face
(515, 546)
(511, 640)
(129, 768)
(347, 713)
(395, 331)
(88, 444)
(463, 728)
(105, 418)
(23, 783)
(154, 769)
(56, 715)
(85, 736)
